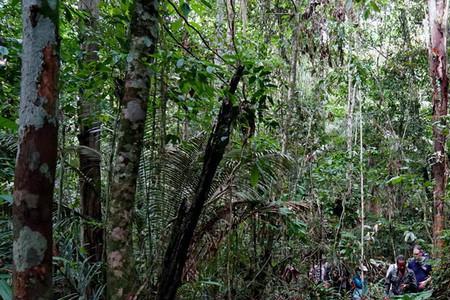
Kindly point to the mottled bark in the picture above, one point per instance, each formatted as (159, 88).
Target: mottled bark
(89, 139)
(229, 5)
(121, 276)
(187, 219)
(37, 152)
(438, 11)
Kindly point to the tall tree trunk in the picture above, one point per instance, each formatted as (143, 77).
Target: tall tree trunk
(229, 5)
(438, 14)
(37, 153)
(187, 219)
(143, 38)
(340, 204)
(186, 130)
(89, 139)
(163, 112)
(244, 16)
(220, 29)
(292, 84)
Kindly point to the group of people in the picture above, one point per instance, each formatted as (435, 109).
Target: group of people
(402, 277)
(408, 277)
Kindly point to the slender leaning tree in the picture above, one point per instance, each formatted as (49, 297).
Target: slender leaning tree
(89, 138)
(37, 152)
(143, 37)
(188, 217)
(438, 16)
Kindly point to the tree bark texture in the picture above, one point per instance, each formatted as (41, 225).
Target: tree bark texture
(89, 139)
(37, 152)
(292, 84)
(244, 15)
(121, 283)
(438, 14)
(229, 6)
(187, 219)
(220, 30)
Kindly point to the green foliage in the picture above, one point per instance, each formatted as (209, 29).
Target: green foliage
(284, 207)
(5, 257)
(79, 275)
(418, 296)
(5, 288)
(441, 271)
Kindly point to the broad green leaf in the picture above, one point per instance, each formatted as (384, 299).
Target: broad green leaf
(180, 63)
(206, 3)
(6, 198)
(396, 179)
(254, 176)
(7, 123)
(177, 25)
(83, 251)
(3, 50)
(185, 9)
(5, 290)
(374, 6)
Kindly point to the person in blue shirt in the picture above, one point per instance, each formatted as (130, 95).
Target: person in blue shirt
(359, 284)
(421, 267)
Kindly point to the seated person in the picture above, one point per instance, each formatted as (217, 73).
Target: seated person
(421, 267)
(399, 279)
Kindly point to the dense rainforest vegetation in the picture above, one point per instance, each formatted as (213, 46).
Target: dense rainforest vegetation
(221, 149)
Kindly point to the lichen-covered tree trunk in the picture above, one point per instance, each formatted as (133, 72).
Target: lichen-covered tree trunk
(121, 277)
(187, 219)
(37, 152)
(438, 15)
(89, 138)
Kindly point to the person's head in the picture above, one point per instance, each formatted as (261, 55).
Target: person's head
(362, 268)
(417, 252)
(401, 263)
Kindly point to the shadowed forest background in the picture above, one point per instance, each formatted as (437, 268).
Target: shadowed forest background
(220, 149)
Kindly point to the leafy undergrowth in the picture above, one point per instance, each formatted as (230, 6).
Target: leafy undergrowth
(418, 296)
(441, 279)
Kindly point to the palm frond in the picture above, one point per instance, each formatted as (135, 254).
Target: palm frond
(8, 144)
(167, 181)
